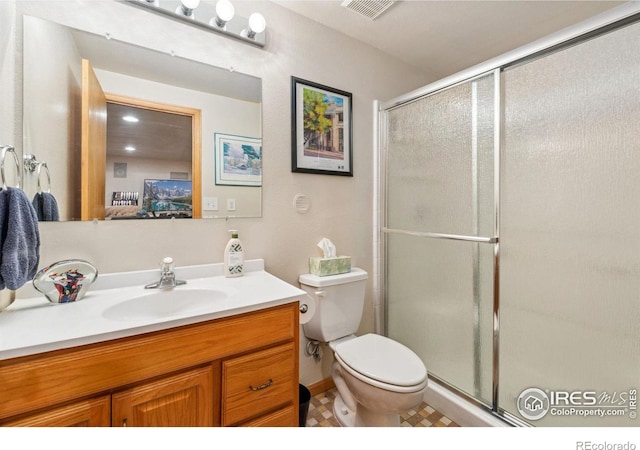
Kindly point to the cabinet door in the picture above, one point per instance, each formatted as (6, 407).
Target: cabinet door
(183, 400)
(259, 383)
(87, 413)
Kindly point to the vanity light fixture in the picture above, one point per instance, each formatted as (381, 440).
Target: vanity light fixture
(221, 19)
(130, 148)
(187, 8)
(130, 119)
(257, 24)
(224, 13)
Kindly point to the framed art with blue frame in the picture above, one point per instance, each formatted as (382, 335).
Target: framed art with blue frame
(238, 160)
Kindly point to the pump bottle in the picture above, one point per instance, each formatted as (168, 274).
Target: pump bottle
(233, 256)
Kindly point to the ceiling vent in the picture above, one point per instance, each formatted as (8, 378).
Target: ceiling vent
(371, 9)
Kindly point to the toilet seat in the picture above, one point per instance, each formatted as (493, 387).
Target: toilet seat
(382, 362)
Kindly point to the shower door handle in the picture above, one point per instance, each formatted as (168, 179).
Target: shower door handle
(453, 237)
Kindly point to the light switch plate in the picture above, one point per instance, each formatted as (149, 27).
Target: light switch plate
(210, 203)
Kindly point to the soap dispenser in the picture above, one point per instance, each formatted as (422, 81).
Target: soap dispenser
(233, 256)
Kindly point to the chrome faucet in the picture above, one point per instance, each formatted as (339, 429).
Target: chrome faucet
(167, 276)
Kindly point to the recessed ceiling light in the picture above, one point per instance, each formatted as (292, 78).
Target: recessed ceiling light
(130, 148)
(129, 119)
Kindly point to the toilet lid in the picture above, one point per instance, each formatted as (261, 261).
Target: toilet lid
(382, 359)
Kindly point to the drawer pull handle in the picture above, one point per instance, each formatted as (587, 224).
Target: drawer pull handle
(262, 386)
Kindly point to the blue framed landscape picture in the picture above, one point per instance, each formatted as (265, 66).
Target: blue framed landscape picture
(238, 160)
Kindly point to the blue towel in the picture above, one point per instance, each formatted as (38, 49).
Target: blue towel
(19, 239)
(46, 207)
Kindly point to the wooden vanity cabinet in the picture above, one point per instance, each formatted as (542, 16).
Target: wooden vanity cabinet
(235, 371)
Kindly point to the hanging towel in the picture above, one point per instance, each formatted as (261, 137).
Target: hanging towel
(46, 207)
(37, 205)
(19, 239)
(50, 207)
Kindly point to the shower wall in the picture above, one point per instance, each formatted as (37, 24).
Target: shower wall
(553, 280)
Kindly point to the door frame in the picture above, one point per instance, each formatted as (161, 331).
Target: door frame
(196, 138)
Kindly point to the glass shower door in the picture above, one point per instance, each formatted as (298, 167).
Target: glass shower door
(570, 236)
(439, 231)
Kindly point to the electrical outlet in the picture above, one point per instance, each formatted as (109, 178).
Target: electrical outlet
(210, 203)
(231, 204)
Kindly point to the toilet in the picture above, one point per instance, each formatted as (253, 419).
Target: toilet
(377, 378)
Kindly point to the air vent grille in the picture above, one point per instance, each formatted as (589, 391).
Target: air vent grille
(371, 9)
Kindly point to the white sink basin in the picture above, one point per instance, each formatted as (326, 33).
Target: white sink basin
(164, 303)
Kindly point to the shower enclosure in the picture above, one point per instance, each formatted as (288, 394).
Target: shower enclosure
(510, 227)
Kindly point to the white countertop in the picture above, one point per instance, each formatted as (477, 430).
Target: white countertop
(34, 325)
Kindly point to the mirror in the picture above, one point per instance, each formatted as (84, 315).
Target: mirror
(203, 130)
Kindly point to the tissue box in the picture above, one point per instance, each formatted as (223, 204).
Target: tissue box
(329, 266)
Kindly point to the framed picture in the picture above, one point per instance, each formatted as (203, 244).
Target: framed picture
(119, 170)
(321, 135)
(238, 160)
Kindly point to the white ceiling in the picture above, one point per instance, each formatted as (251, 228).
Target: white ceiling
(444, 37)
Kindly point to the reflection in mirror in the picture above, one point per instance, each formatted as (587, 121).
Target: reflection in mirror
(146, 141)
(204, 101)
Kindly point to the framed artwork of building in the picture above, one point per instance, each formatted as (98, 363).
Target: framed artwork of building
(321, 129)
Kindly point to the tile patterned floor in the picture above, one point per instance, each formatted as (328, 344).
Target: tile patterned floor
(321, 414)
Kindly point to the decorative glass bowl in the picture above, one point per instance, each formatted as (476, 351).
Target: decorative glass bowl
(65, 281)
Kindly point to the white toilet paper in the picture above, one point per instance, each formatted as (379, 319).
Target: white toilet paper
(307, 309)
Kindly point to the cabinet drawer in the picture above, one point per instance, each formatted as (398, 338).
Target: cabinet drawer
(285, 417)
(257, 383)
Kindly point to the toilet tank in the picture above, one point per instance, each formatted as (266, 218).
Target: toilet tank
(339, 303)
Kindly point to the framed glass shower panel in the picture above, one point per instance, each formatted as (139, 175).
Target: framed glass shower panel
(570, 231)
(440, 196)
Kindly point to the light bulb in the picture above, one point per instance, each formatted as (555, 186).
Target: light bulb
(224, 13)
(257, 24)
(225, 10)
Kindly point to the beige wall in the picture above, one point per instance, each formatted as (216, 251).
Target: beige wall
(341, 207)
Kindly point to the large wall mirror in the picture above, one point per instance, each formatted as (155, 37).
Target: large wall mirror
(131, 133)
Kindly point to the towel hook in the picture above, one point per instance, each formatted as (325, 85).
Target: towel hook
(3, 154)
(40, 166)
